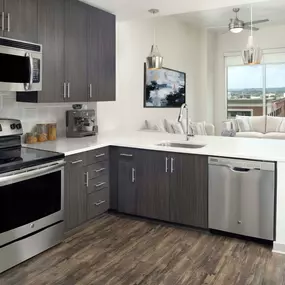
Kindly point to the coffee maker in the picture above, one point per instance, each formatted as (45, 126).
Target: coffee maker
(80, 123)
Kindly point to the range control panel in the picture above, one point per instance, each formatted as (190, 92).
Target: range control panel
(9, 127)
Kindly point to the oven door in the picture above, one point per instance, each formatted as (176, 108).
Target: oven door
(20, 69)
(31, 200)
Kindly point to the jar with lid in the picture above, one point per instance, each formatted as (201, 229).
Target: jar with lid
(52, 132)
(42, 132)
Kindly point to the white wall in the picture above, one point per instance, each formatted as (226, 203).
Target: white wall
(178, 43)
(31, 113)
(267, 38)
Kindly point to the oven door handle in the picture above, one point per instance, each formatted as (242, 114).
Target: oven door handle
(28, 86)
(29, 173)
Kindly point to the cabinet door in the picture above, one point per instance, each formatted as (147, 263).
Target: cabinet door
(2, 17)
(75, 192)
(76, 50)
(101, 55)
(127, 183)
(21, 19)
(189, 189)
(51, 36)
(153, 185)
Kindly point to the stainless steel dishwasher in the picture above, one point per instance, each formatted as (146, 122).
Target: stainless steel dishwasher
(242, 197)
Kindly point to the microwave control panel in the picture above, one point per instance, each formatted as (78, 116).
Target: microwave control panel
(37, 70)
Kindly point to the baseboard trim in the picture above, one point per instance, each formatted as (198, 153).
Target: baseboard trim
(278, 248)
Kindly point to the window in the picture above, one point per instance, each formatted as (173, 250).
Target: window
(258, 89)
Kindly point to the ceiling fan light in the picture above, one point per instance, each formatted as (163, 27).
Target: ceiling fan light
(154, 60)
(236, 30)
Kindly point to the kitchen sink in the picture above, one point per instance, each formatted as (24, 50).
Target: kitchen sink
(181, 145)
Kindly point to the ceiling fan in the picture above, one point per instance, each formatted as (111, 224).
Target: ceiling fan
(236, 25)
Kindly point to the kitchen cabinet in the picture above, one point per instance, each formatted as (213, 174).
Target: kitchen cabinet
(127, 181)
(79, 48)
(21, 19)
(51, 25)
(189, 189)
(152, 184)
(161, 185)
(86, 186)
(101, 55)
(2, 17)
(75, 192)
(76, 51)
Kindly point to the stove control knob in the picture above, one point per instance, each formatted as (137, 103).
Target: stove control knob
(19, 126)
(13, 126)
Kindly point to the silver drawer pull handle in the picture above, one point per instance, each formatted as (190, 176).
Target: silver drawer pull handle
(100, 155)
(76, 161)
(99, 170)
(99, 203)
(100, 184)
(126, 154)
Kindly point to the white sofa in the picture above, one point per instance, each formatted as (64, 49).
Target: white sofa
(256, 127)
(174, 127)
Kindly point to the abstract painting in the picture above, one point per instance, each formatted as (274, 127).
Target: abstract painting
(164, 88)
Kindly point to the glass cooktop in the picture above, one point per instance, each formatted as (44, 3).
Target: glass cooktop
(18, 157)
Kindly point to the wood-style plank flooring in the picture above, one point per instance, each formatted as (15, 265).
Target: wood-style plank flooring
(120, 250)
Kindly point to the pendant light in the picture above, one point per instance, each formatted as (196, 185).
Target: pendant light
(252, 54)
(154, 60)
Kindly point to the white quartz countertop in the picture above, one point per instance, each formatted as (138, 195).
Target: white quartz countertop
(248, 148)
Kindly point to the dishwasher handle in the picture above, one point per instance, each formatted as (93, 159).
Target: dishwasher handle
(239, 169)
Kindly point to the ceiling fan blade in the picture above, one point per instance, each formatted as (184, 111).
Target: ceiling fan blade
(249, 28)
(256, 22)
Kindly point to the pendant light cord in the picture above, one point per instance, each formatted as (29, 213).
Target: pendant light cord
(251, 19)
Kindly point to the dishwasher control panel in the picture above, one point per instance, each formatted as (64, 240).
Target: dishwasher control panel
(239, 163)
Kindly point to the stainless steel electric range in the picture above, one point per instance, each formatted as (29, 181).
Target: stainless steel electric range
(31, 197)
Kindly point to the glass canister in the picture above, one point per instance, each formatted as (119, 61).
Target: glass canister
(42, 132)
(52, 132)
(31, 138)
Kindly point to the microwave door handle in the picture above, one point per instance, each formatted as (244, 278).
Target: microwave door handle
(28, 86)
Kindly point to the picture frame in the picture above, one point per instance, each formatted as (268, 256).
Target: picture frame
(164, 88)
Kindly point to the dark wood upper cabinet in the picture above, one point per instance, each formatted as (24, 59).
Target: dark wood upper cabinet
(76, 26)
(101, 55)
(21, 21)
(189, 189)
(51, 24)
(1, 15)
(152, 180)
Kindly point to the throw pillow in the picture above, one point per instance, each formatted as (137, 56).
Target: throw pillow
(155, 125)
(198, 128)
(281, 128)
(177, 128)
(258, 123)
(273, 124)
(243, 124)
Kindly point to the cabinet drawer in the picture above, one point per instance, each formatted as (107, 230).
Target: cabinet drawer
(98, 203)
(126, 153)
(98, 183)
(98, 169)
(76, 159)
(97, 155)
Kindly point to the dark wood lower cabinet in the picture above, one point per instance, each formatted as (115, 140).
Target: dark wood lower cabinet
(189, 189)
(127, 193)
(167, 186)
(75, 192)
(152, 185)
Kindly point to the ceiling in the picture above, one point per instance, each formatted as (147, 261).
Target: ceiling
(134, 9)
(218, 19)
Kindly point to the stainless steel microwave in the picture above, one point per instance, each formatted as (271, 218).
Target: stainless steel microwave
(20, 66)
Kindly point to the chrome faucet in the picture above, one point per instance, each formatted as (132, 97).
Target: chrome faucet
(180, 117)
